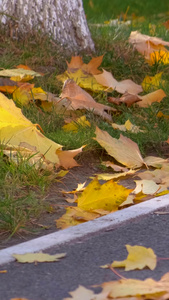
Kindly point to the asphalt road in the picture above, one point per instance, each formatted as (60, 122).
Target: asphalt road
(81, 266)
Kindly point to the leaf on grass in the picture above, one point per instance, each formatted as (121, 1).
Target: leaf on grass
(7, 85)
(128, 126)
(127, 98)
(146, 44)
(156, 96)
(138, 257)
(81, 293)
(90, 68)
(107, 196)
(123, 149)
(17, 130)
(82, 73)
(19, 72)
(22, 94)
(74, 125)
(38, 257)
(160, 57)
(151, 83)
(106, 79)
(80, 99)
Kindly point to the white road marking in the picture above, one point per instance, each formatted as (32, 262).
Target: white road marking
(72, 233)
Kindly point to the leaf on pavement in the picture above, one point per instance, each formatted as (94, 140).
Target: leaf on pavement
(38, 257)
(134, 287)
(123, 149)
(125, 86)
(81, 293)
(138, 257)
(80, 99)
(107, 196)
(148, 187)
(156, 162)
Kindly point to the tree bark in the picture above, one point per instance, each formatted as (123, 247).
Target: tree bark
(63, 20)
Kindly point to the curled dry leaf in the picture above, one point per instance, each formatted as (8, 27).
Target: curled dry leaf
(125, 86)
(127, 98)
(123, 149)
(146, 44)
(80, 99)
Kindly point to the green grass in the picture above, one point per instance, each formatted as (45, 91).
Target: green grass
(22, 186)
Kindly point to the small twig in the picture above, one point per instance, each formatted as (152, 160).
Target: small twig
(162, 258)
(116, 273)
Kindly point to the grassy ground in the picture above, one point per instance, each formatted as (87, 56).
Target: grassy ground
(22, 187)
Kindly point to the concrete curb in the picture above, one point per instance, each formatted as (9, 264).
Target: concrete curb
(110, 221)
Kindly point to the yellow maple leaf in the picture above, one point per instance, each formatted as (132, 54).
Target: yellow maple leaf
(37, 257)
(17, 130)
(75, 216)
(74, 125)
(134, 287)
(138, 257)
(151, 83)
(107, 196)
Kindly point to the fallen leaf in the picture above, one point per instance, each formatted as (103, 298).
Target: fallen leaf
(156, 162)
(106, 79)
(7, 85)
(18, 72)
(80, 99)
(75, 216)
(66, 158)
(147, 187)
(38, 257)
(151, 83)
(74, 125)
(109, 176)
(127, 98)
(160, 57)
(138, 257)
(123, 149)
(90, 68)
(133, 287)
(81, 293)
(3, 271)
(128, 126)
(17, 130)
(146, 44)
(115, 167)
(148, 99)
(107, 196)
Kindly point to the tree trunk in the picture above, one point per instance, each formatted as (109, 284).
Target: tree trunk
(63, 20)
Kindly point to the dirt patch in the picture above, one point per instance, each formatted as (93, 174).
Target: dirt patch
(90, 164)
